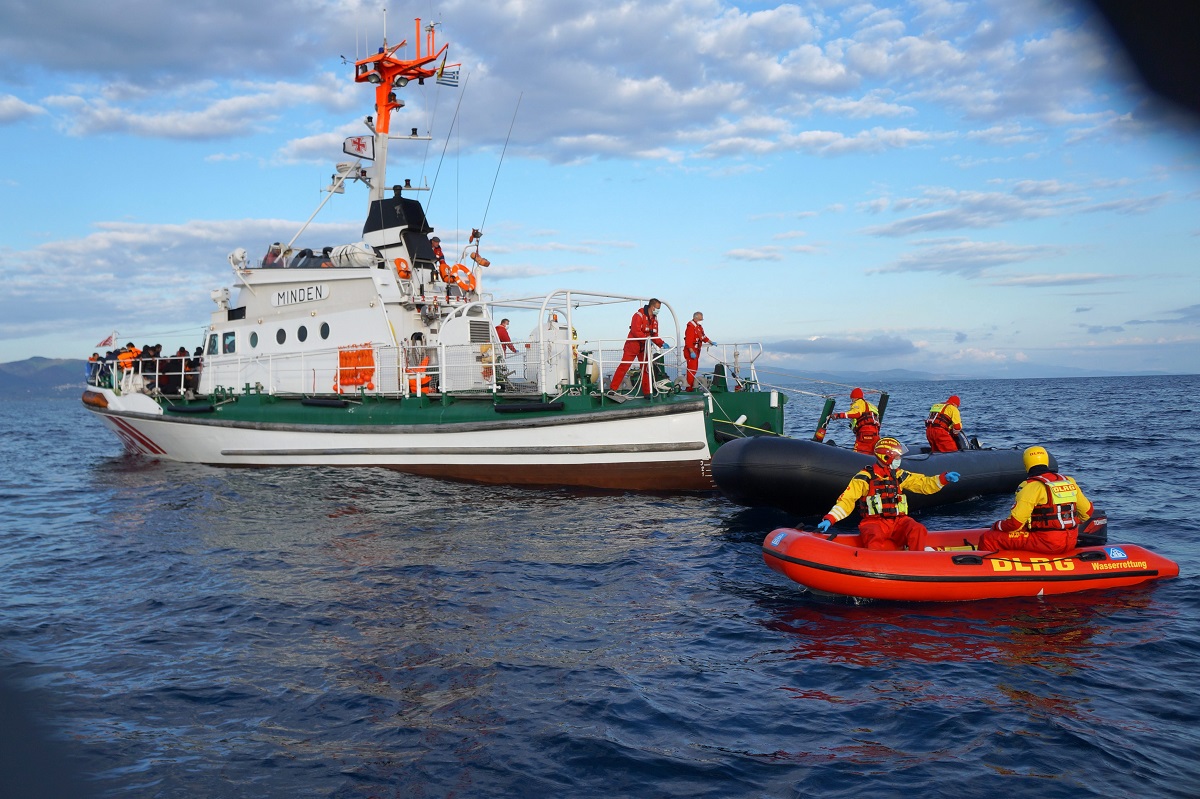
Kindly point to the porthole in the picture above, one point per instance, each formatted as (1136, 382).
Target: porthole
(254, 340)
(302, 333)
(280, 335)
(324, 330)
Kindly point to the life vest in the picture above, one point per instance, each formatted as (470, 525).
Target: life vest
(127, 357)
(866, 424)
(417, 375)
(884, 498)
(1058, 511)
(937, 418)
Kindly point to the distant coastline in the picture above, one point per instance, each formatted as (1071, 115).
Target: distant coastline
(60, 377)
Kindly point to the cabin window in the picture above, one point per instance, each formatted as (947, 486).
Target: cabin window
(212, 344)
(302, 333)
(254, 340)
(324, 330)
(280, 336)
(229, 342)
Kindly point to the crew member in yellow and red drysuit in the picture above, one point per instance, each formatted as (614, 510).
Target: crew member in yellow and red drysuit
(693, 339)
(864, 421)
(643, 328)
(1047, 512)
(943, 426)
(878, 492)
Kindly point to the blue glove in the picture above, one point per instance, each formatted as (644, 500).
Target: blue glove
(666, 346)
(952, 477)
(823, 527)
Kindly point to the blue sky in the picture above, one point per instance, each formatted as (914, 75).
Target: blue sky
(978, 188)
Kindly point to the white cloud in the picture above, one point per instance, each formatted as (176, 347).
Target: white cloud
(13, 109)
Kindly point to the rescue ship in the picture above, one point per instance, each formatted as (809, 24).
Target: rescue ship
(952, 569)
(385, 352)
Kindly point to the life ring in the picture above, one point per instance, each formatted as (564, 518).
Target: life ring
(462, 277)
(402, 269)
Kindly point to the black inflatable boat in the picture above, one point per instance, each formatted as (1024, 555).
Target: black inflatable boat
(805, 477)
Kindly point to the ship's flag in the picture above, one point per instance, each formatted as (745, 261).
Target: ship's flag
(108, 342)
(360, 147)
(447, 77)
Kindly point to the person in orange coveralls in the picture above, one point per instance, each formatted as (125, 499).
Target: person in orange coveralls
(943, 427)
(643, 328)
(693, 339)
(1047, 512)
(864, 420)
(878, 491)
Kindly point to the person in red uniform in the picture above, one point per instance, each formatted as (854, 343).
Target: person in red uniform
(864, 421)
(878, 492)
(643, 328)
(693, 339)
(503, 337)
(943, 427)
(1047, 512)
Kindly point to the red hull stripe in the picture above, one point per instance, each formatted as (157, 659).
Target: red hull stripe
(141, 439)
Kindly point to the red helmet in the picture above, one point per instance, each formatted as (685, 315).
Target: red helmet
(856, 394)
(888, 450)
(953, 400)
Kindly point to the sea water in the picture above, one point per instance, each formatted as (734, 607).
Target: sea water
(185, 631)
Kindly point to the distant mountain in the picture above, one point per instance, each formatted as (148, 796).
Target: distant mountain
(1021, 372)
(41, 377)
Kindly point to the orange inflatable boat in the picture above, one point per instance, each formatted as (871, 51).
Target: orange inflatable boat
(953, 571)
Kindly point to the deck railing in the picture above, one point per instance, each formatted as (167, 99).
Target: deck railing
(552, 368)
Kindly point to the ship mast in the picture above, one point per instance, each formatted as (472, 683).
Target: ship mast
(389, 73)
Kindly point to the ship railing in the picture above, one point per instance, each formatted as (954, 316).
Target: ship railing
(548, 367)
(734, 365)
(169, 377)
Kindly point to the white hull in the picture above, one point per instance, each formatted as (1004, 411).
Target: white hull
(621, 448)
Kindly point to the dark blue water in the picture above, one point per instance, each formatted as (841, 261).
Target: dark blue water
(183, 631)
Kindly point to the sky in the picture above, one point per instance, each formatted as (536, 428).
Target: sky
(979, 188)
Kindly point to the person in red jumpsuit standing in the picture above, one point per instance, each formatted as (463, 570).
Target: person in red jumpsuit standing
(1046, 514)
(643, 328)
(943, 427)
(864, 421)
(693, 339)
(503, 337)
(878, 491)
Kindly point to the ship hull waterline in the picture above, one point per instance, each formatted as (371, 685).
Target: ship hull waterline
(660, 448)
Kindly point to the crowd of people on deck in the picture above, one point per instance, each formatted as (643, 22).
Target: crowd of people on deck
(172, 375)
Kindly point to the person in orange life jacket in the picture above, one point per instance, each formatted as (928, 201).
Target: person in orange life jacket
(128, 357)
(693, 339)
(878, 492)
(943, 427)
(503, 337)
(864, 421)
(643, 327)
(1046, 514)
